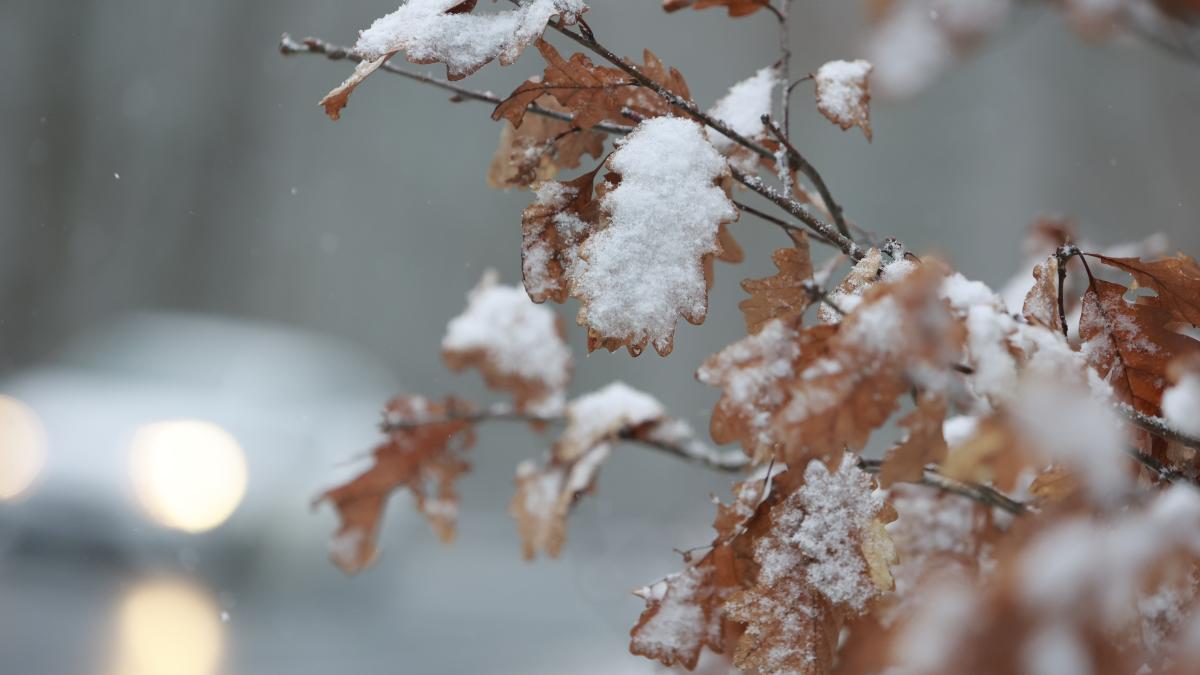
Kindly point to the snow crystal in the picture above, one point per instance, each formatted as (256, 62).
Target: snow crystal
(600, 414)
(644, 269)
(819, 529)
(464, 42)
(842, 87)
(743, 107)
(1181, 404)
(520, 338)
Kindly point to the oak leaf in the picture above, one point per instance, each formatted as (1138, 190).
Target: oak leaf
(1041, 302)
(446, 31)
(1129, 343)
(516, 345)
(561, 217)
(785, 294)
(1175, 280)
(591, 93)
(844, 94)
(423, 449)
(737, 8)
(540, 149)
(924, 443)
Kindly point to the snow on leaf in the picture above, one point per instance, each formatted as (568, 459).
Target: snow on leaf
(680, 618)
(1129, 344)
(924, 443)
(446, 31)
(844, 95)
(553, 226)
(742, 108)
(539, 149)
(546, 493)
(516, 345)
(822, 559)
(1181, 401)
(646, 266)
(736, 8)
(427, 453)
(783, 295)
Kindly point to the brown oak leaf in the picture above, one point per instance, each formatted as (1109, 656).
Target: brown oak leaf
(552, 228)
(423, 449)
(924, 443)
(737, 8)
(844, 94)
(1129, 343)
(591, 93)
(1041, 302)
(1176, 280)
(539, 149)
(783, 295)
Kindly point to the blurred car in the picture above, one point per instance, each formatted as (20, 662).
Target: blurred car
(151, 430)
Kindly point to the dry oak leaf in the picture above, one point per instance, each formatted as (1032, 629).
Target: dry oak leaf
(1176, 280)
(546, 493)
(561, 216)
(517, 346)
(785, 294)
(446, 31)
(823, 558)
(539, 149)
(633, 282)
(844, 94)
(737, 8)
(1041, 302)
(924, 443)
(424, 448)
(591, 93)
(1129, 344)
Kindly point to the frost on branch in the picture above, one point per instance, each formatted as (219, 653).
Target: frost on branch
(646, 265)
(516, 345)
(423, 450)
(844, 95)
(446, 31)
(546, 493)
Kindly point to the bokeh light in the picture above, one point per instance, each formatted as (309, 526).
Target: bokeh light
(168, 627)
(188, 474)
(22, 447)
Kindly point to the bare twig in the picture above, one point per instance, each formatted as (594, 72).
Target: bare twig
(782, 224)
(980, 493)
(797, 161)
(827, 231)
(785, 58)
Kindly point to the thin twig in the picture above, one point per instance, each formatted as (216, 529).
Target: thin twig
(784, 225)
(1157, 426)
(798, 161)
(980, 493)
(288, 46)
(1165, 472)
(827, 231)
(690, 450)
(785, 57)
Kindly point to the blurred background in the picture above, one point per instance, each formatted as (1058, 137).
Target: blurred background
(208, 290)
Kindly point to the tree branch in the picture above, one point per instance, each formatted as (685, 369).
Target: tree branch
(827, 231)
(980, 493)
(798, 161)
(288, 46)
(1157, 426)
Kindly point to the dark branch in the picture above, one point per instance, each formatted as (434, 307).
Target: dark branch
(797, 161)
(825, 230)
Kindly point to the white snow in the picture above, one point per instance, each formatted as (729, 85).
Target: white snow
(642, 271)
(743, 107)
(1181, 404)
(601, 414)
(464, 42)
(679, 626)
(520, 338)
(842, 89)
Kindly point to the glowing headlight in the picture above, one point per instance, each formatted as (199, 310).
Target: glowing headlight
(188, 474)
